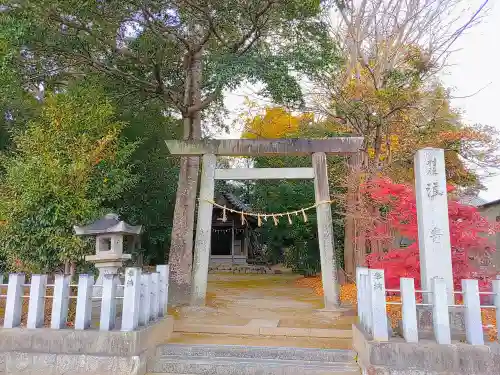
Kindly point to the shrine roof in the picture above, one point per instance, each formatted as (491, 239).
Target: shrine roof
(472, 200)
(237, 203)
(489, 204)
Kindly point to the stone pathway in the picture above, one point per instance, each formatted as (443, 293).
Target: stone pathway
(255, 325)
(271, 306)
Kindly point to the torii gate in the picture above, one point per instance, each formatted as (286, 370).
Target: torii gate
(318, 148)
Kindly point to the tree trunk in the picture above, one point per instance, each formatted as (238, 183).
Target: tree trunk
(181, 246)
(378, 150)
(360, 223)
(72, 270)
(354, 164)
(375, 243)
(66, 267)
(349, 239)
(355, 238)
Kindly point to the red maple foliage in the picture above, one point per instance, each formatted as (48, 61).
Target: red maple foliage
(397, 213)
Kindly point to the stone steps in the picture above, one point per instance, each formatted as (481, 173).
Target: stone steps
(261, 352)
(259, 341)
(178, 366)
(255, 330)
(174, 359)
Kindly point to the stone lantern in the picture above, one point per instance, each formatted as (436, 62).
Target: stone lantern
(109, 232)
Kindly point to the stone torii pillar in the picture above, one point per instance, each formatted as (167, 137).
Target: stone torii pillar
(318, 148)
(203, 230)
(325, 231)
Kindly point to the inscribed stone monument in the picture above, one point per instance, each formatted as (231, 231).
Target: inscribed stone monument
(433, 223)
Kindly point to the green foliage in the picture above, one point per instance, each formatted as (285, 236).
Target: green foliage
(16, 104)
(69, 163)
(294, 244)
(151, 201)
(142, 51)
(147, 46)
(303, 257)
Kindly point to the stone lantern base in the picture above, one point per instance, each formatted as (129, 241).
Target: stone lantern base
(106, 266)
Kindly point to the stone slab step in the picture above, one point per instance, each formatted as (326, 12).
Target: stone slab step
(262, 331)
(232, 366)
(257, 352)
(272, 341)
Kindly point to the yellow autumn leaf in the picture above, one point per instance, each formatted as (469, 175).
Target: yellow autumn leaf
(275, 123)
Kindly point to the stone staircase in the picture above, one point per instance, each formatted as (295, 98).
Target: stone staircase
(178, 359)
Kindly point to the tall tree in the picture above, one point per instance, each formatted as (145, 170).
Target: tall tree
(393, 50)
(185, 53)
(403, 115)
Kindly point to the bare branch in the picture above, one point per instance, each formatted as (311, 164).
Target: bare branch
(375, 31)
(473, 94)
(459, 32)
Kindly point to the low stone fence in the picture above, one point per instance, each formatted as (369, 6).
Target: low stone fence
(436, 337)
(397, 357)
(48, 351)
(118, 345)
(372, 307)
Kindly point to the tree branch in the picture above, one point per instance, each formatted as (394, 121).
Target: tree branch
(462, 29)
(80, 27)
(150, 19)
(87, 58)
(172, 96)
(204, 103)
(212, 28)
(236, 46)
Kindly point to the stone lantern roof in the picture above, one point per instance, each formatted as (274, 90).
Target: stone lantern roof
(108, 224)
